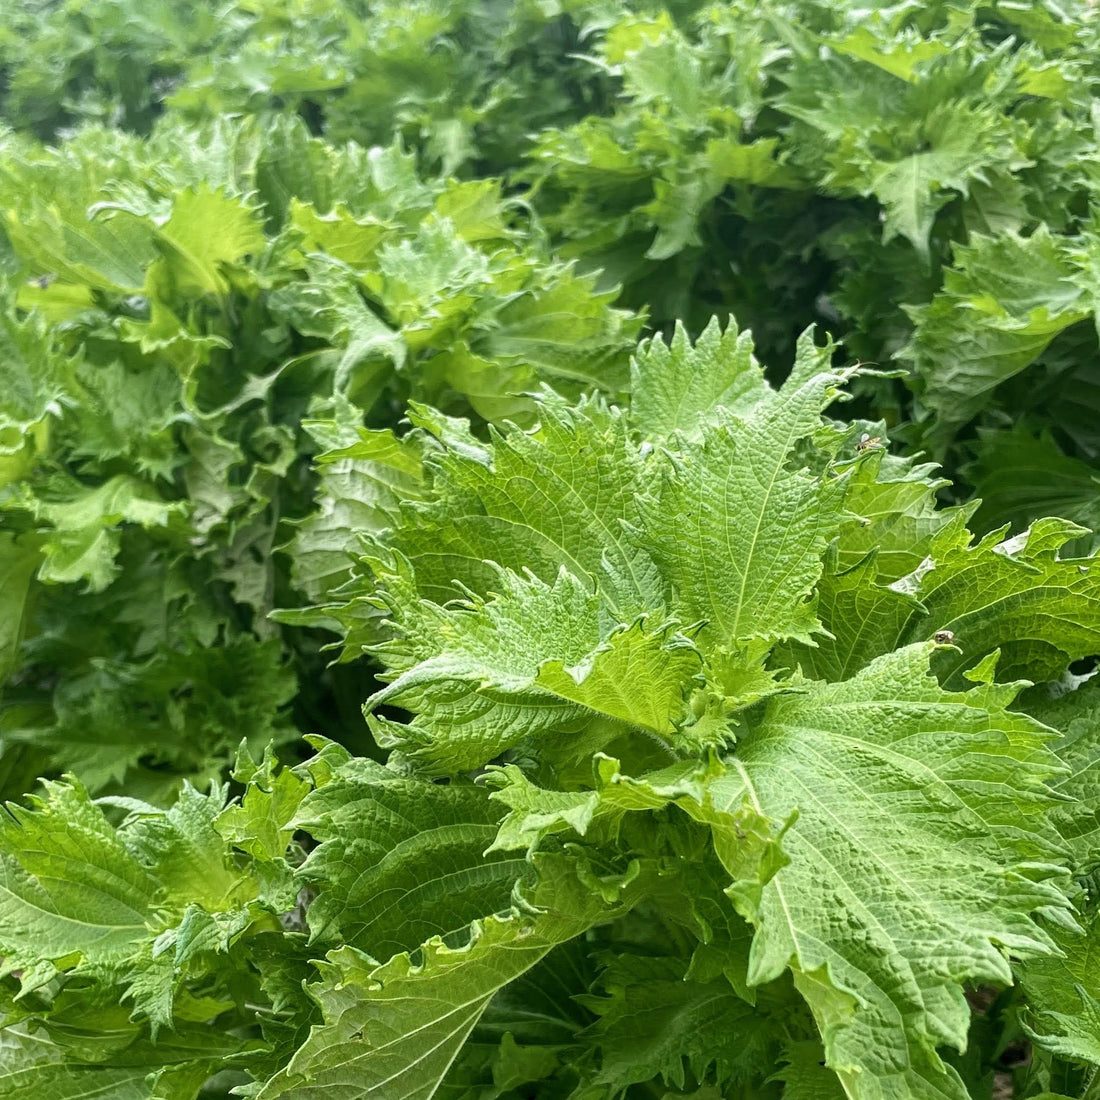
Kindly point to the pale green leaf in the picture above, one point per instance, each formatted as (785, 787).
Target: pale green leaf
(737, 526)
(680, 387)
(206, 230)
(32, 1067)
(70, 889)
(365, 477)
(532, 661)
(540, 500)
(1001, 306)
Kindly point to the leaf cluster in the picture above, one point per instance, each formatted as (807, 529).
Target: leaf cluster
(187, 321)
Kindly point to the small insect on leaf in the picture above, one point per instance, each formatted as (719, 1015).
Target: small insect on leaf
(866, 441)
(943, 637)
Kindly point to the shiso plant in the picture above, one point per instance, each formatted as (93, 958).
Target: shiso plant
(717, 777)
(444, 654)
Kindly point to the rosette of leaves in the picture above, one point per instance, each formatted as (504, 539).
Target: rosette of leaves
(718, 587)
(712, 781)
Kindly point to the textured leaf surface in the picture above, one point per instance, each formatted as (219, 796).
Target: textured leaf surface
(394, 1030)
(655, 1023)
(71, 892)
(33, 1067)
(678, 386)
(737, 531)
(1018, 596)
(1001, 307)
(1066, 994)
(552, 498)
(1075, 714)
(525, 663)
(894, 781)
(400, 860)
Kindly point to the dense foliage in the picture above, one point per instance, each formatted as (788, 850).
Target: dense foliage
(394, 359)
(168, 364)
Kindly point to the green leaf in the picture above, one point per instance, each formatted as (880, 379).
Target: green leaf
(400, 860)
(516, 1065)
(81, 537)
(338, 232)
(262, 822)
(32, 1067)
(745, 842)
(1074, 714)
(365, 477)
(32, 385)
(555, 497)
(805, 1075)
(71, 891)
(206, 231)
(88, 1049)
(636, 676)
(913, 189)
(1020, 474)
(900, 57)
(180, 713)
(1018, 596)
(562, 324)
(894, 513)
(393, 1030)
(736, 526)
(656, 1023)
(680, 386)
(65, 240)
(483, 675)
(940, 795)
(1064, 993)
(192, 863)
(330, 306)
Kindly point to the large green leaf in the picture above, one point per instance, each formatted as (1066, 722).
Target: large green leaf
(679, 386)
(71, 889)
(917, 859)
(736, 527)
(394, 1030)
(31, 1066)
(556, 497)
(400, 860)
